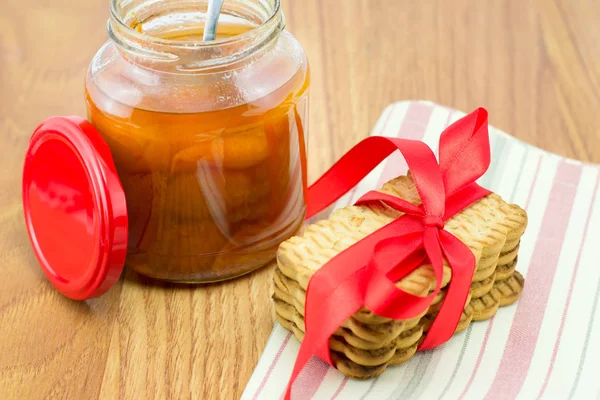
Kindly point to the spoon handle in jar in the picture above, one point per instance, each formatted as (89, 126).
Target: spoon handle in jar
(212, 17)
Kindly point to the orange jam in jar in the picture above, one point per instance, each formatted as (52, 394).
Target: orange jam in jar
(208, 137)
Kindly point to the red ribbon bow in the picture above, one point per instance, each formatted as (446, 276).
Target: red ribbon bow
(365, 273)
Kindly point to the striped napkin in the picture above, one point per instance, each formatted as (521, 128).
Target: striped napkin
(546, 346)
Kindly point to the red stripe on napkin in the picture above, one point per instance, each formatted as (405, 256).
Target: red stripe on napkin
(491, 322)
(571, 286)
(531, 307)
(272, 366)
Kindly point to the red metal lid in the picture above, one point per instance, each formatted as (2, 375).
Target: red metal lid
(74, 207)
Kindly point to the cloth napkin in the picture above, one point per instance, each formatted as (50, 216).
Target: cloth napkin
(547, 345)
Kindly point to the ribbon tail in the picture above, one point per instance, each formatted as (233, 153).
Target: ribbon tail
(431, 241)
(410, 263)
(306, 352)
(394, 258)
(462, 262)
(384, 298)
(322, 318)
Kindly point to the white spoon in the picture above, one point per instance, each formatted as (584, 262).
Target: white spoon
(212, 18)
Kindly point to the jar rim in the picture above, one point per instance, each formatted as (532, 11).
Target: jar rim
(270, 20)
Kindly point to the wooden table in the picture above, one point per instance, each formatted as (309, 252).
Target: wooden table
(535, 66)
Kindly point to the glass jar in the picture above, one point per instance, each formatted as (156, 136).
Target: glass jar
(208, 138)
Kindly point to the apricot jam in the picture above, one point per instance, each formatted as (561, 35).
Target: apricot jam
(208, 141)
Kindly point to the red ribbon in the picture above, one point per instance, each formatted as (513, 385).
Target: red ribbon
(365, 273)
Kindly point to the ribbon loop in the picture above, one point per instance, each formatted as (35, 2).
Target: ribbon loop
(465, 151)
(396, 203)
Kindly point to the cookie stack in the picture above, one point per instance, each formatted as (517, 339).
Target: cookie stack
(366, 343)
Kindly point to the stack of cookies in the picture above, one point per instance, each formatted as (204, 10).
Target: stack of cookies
(366, 343)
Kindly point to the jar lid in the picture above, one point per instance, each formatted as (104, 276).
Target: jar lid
(74, 207)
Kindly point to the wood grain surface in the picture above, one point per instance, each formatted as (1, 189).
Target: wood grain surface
(534, 65)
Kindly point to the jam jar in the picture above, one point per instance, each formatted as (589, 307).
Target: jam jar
(208, 137)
